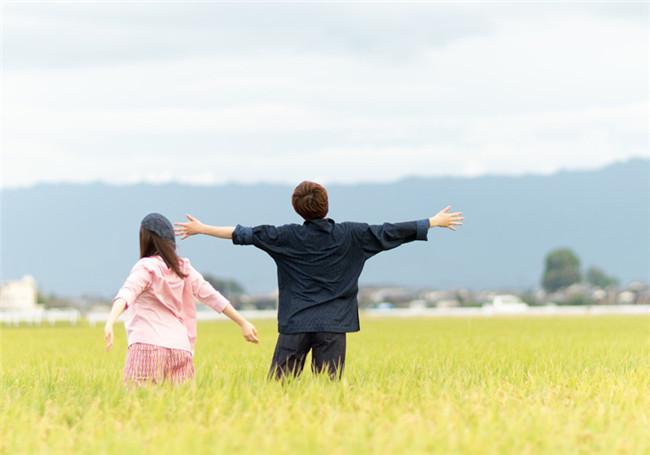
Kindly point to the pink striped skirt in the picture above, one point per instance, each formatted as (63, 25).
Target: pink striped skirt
(147, 363)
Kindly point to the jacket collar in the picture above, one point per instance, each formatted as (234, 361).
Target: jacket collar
(323, 223)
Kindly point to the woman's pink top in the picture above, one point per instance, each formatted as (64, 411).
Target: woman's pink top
(161, 306)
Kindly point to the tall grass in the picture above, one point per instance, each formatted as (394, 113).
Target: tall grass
(511, 385)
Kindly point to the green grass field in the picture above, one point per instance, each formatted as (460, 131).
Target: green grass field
(509, 385)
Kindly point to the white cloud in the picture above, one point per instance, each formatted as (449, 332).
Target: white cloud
(498, 90)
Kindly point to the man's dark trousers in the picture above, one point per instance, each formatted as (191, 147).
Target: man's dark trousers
(327, 354)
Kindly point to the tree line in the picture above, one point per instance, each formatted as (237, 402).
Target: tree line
(562, 269)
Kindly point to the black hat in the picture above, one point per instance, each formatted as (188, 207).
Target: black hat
(158, 224)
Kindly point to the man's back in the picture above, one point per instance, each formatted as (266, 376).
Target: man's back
(319, 264)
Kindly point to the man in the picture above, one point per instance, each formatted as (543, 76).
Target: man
(319, 264)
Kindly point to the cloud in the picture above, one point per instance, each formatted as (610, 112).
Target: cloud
(103, 33)
(211, 93)
(64, 35)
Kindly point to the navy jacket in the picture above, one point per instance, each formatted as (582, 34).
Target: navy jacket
(319, 263)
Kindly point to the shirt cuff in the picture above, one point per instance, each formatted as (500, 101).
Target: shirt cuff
(422, 229)
(242, 235)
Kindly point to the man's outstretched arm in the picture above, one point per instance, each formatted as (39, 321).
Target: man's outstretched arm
(265, 237)
(383, 237)
(193, 226)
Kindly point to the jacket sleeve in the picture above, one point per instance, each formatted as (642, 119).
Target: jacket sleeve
(374, 239)
(265, 237)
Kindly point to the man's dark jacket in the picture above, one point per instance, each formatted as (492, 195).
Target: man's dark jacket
(319, 263)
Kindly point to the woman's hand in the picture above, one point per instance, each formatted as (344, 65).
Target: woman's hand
(445, 219)
(108, 336)
(192, 227)
(249, 332)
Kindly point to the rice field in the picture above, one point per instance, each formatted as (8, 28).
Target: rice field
(494, 385)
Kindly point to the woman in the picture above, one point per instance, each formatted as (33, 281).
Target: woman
(158, 297)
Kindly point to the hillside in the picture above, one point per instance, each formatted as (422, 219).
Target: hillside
(82, 238)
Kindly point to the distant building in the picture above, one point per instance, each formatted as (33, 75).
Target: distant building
(418, 304)
(19, 294)
(371, 296)
(506, 302)
(626, 298)
(447, 303)
(259, 302)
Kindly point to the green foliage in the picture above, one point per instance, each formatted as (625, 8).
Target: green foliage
(562, 270)
(531, 299)
(578, 299)
(435, 385)
(598, 278)
(227, 287)
(51, 301)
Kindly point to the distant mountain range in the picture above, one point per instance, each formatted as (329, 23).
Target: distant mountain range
(83, 238)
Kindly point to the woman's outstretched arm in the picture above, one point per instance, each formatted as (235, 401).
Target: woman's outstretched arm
(138, 280)
(203, 291)
(248, 330)
(193, 226)
(118, 308)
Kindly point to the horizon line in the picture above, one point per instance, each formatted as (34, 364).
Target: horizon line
(332, 182)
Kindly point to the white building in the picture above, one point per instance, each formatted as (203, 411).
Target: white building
(507, 303)
(19, 294)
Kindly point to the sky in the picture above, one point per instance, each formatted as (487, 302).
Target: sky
(206, 93)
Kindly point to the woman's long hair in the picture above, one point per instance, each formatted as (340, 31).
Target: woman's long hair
(152, 244)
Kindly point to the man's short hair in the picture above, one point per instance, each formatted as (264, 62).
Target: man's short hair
(310, 200)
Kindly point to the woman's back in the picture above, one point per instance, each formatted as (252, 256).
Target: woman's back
(161, 305)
